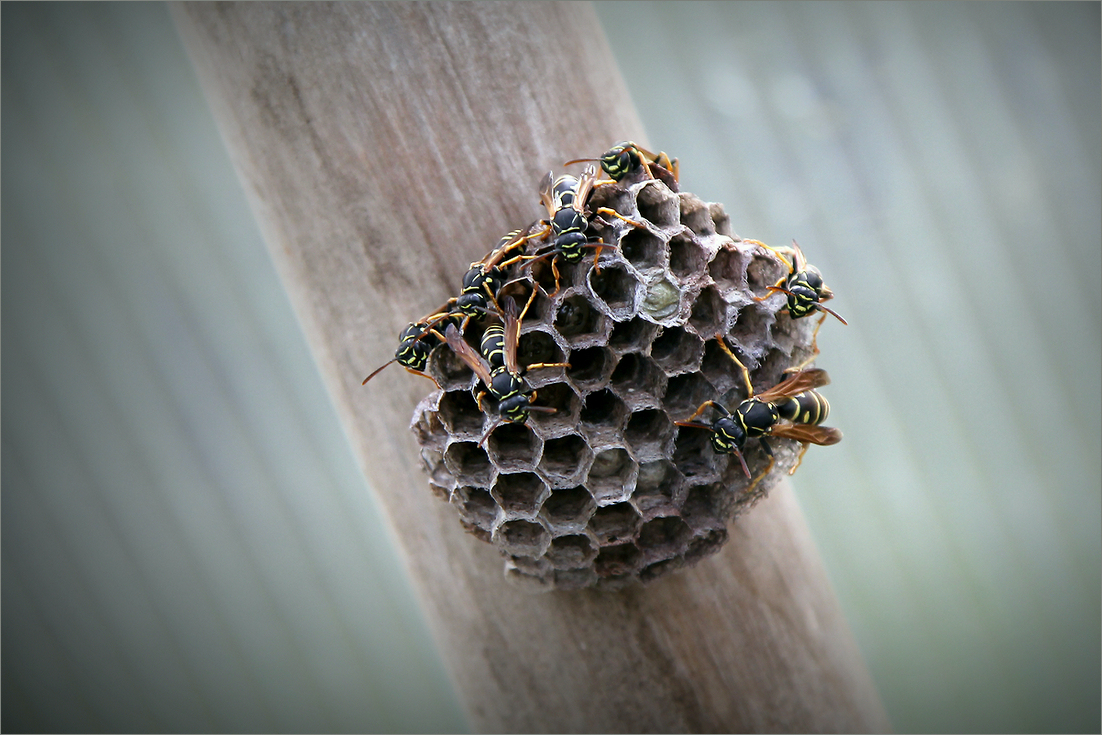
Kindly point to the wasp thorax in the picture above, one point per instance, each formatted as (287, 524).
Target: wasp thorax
(594, 459)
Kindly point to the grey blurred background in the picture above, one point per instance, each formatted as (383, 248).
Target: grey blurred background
(187, 543)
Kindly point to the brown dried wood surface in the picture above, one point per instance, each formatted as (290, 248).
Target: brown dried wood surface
(384, 146)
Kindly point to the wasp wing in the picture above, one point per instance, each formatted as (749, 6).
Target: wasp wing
(795, 384)
(512, 335)
(467, 354)
(585, 186)
(546, 183)
(821, 435)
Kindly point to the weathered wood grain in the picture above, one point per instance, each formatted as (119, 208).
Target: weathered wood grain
(386, 145)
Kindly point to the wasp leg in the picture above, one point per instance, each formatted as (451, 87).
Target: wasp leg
(799, 457)
(703, 407)
(814, 348)
(768, 467)
(745, 373)
(411, 371)
(538, 365)
(614, 213)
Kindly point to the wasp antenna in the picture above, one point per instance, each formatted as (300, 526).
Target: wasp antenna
(580, 160)
(742, 462)
(833, 313)
(378, 370)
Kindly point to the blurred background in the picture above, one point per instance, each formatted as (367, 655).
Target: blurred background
(188, 545)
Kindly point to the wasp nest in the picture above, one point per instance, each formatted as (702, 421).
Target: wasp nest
(608, 489)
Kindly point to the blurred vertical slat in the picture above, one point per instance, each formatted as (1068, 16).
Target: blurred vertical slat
(187, 540)
(940, 163)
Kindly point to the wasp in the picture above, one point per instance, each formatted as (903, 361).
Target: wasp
(806, 293)
(415, 343)
(627, 157)
(792, 409)
(565, 199)
(497, 365)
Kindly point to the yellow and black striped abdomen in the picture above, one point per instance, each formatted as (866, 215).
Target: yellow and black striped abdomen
(809, 407)
(493, 346)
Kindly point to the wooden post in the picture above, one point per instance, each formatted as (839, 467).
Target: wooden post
(384, 146)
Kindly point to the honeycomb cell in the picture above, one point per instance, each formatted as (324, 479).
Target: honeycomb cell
(709, 313)
(615, 523)
(720, 370)
(440, 480)
(468, 460)
(663, 538)
(591, 367)
(657, 489)
(638, 380)
(476, 506)
(513, 447)
(707, 506)
(763, 270)
(751, 328)
(603, 415)
(566, 459)
(571, 552)
(569, 509)
(538, 346)
(658, 568)
(649, 433)
(642, 249)
(693, 454)
(728, 269)
(658, 205)
(687, 257)
(695, 216)
(612, 474)
(705, 544)
(721, 220)
(618, 561)
(676, 350)
(460, 413)
(578, 321)
(566, 403)
(430, 430)
(616, 288)
(685, 394)
(449, 372)
(522, 538)
(663, 299)
(519, 494)
(633, 335)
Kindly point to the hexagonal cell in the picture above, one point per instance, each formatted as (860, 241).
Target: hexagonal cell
(520, 494)
(676, 351)
(720, 218)
(430, 430)
(709, 313)
(460, 413)
(478, 532)
(663, 300)
(658, 205)
(577, 320)
(693, 454)
(612, 475)
(566, 403)
(687, 257)
(537, 347)
(519, 290)
(635, 335)
(707, 506)
(468, 461)
(649, 432)
(657, 489)
(441, 481)
(728, 268)
(617, 288)
(476, 506)
(685, 394)
(571, 552)
(528, 565)
(695, 215)
(706, 544)
(615, 523)
(662, 538)
(566, 459)
(603, 415)
(522, 538)
(642, 249)
(541, 272)
(763, 270)
(751, 328)
(514, 447)
(720, 370)
(449, 372)
(569, 509)
(638, 380)
(590, 367)
(618, 561)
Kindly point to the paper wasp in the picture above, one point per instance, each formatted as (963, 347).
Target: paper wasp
(564, 199)
(497, 366)
(627, 157)
(805, 290)
(415, 342)
(792, 409)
